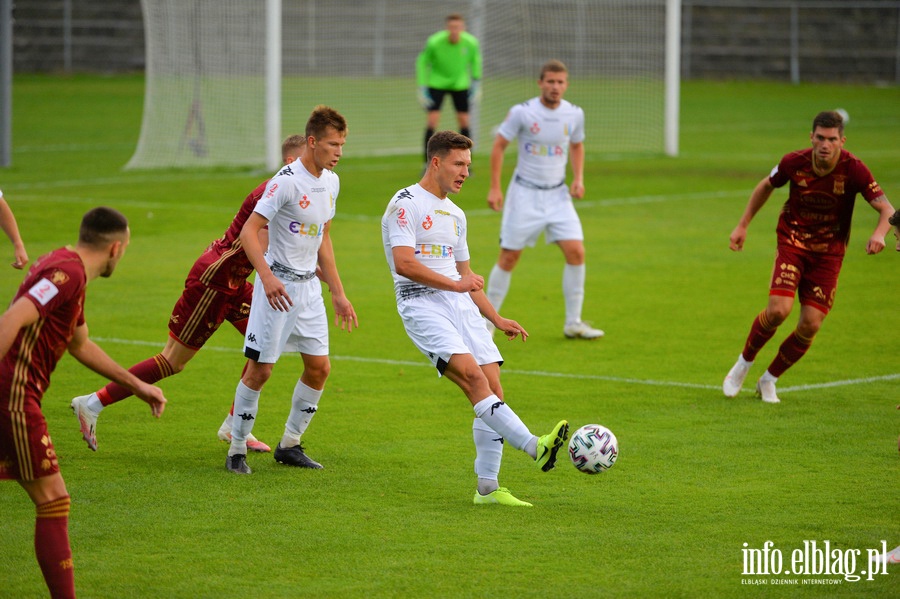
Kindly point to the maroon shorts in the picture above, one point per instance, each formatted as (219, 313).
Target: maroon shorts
(200, 310)
(813, 276)
(26, 451)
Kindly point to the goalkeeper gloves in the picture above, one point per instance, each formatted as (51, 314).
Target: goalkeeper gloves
(425, 98)
(475, 91)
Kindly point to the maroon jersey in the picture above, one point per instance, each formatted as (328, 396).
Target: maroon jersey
(224, 265)
(818, 211)
(55, 284)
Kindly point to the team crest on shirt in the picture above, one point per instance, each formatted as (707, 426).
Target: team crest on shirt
(427, 223)
(838, 184)
(59, 278)
(304, 201)
(535, 128)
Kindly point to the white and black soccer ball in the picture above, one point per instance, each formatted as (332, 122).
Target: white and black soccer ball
(593, 449)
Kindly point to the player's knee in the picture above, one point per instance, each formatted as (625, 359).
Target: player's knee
(508, 259)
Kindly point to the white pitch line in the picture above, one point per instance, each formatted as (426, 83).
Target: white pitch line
(544, 373)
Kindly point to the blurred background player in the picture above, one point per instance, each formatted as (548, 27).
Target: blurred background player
(441, 304)
(288, 312)
(550, 131)
(45, 319)
(11, 228)
(216, 290)
(812, 232)
(450, 63)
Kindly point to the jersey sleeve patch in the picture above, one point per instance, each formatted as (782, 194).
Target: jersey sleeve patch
(43, 291)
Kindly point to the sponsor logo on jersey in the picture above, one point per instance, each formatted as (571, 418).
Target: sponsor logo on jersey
(43, 291)
(272, 189)
(434, 250)
(542, 150)
(311, 230)
(401, 218)
(285, 171)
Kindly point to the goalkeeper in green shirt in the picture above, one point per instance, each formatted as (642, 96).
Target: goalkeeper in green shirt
(450, 63)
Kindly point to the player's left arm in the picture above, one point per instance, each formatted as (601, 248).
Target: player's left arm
(510, 328)
(92, 355)
(886, 211)
(576, 156)
(343, 309)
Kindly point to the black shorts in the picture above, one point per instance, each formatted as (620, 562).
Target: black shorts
(460, 98)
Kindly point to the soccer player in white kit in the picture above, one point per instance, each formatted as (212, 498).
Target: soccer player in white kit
(441, 303)
(550, 130)
(287, 312)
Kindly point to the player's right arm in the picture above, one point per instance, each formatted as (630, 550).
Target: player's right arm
(407, 265)
(495, 193)
(22, 313)
(275, 291)
(758, 198)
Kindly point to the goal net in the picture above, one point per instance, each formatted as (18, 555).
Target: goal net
(205, 99)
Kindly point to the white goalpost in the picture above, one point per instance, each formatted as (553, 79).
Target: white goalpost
(226, 80)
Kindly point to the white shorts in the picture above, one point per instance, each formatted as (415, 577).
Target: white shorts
(443, 323)
(303, 328)
(528, 212)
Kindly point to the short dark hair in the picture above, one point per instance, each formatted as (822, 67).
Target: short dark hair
(454, 16)
(101, 225)
(829, 119)
(553, 66)
(323, 117)
(895, 218)
(443, 141)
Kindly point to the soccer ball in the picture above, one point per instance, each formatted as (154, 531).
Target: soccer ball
(843, 114)
(593, 449)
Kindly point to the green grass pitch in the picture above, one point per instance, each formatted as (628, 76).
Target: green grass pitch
(155, 513)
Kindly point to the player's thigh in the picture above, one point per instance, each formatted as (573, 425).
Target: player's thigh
(197, 314)
(268, 329)
(309, 334)
(562, 222)
(460, 100)
(26, 448)
(818, 287)
(523, 220)
(238, 309)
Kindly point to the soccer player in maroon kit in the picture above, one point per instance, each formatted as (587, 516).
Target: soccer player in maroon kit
(812, 232)
(44, 320)
(216, 290)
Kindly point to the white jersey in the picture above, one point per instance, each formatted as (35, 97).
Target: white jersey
(434, 227)
(297, 206)
(544, 136)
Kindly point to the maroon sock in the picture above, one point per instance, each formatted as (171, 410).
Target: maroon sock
(760, 333)
(51, 546)
(150, 371)
(793, 348)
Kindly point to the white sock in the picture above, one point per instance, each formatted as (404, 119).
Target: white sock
(498, 286)
(304, 404)
(93, 404)
(246, 405)
(766, 377)
(228, 422)
(501, 418)
(743, 362)
(488, 453)
(573, 291)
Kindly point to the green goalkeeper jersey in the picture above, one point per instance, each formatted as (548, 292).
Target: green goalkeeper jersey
(443, 65)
